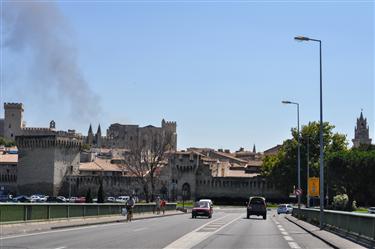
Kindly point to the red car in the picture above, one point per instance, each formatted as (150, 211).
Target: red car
(80, 199)
(202, 208)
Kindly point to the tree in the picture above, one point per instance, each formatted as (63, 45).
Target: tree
(7, 142)
(144, 160)
(282, 167)
(88, 196)
(353, 172)
(100, 193)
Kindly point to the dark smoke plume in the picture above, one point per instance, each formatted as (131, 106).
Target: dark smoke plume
(39, 29)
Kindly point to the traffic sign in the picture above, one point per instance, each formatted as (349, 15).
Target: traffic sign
(314, 186)
(298, 191)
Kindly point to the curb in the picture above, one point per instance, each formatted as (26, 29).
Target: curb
(313, 234)
(112, 221)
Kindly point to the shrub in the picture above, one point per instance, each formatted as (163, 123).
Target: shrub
(340, 202)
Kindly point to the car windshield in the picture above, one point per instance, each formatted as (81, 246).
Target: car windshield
(202, 204)
(257, 201)
(282, 206)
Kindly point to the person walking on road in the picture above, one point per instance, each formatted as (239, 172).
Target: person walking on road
(162, 205)
(129, 206)
(157, 205)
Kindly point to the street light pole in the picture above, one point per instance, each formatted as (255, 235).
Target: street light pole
(321, 180)
(298, 151)
(308, 172)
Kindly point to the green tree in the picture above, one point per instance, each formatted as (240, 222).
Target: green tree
(7, 142)
(353, 172)
(88, 196)
(281, 169)
(100, 193)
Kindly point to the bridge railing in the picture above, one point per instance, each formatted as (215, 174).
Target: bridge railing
(23, 212)
(357, 224)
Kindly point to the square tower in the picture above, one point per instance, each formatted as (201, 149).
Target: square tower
(13, 120)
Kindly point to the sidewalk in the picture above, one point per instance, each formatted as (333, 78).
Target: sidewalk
(30, 227)
(328, 237)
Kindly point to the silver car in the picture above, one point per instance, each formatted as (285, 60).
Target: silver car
(284, 209)
(371, 210)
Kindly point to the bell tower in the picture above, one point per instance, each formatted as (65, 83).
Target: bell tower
(361, 132)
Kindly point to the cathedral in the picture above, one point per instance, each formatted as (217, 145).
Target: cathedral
(361, 133)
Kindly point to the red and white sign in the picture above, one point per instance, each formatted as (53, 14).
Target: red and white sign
(298, 191)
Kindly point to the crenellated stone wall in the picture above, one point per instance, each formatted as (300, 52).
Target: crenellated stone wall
(44, 161)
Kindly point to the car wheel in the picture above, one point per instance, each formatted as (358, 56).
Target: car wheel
(264, 217)
(210, 216)
(193, 216)
(248, 216)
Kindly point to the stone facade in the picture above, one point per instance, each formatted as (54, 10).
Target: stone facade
(361, 133)
(44, 162)
(132, 136)
(13, 120)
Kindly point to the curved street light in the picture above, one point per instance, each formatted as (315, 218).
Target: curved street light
(321, 180)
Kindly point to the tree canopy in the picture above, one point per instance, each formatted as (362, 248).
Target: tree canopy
(281, 168)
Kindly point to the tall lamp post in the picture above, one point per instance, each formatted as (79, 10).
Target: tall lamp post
(298, 151)
(321, 180)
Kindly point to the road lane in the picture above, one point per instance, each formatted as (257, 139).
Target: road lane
(228, 228)
(148, 233)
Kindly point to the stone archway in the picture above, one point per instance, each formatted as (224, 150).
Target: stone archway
(186, 193)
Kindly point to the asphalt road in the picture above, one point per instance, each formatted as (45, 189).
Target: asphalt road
(228, 228)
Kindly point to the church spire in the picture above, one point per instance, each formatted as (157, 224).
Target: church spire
(254, 149)
(99, 130)
(90, 130)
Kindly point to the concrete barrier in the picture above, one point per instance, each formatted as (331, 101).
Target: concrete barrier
(23, 212)
(356, 224)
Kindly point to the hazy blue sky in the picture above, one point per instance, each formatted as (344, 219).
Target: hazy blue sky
(219, 69)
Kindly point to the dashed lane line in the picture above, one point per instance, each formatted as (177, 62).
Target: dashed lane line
(292, 244)
(198, 235)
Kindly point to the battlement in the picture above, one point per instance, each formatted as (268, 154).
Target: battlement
(13, 106)
(168, 124)
(47, 141)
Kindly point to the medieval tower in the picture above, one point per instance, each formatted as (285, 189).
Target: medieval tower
(13, 120)
(361, 133)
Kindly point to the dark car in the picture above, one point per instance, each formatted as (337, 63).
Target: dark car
(55, 199)
(5, 198)
(257, 206)
(21, 198)
(202, 208)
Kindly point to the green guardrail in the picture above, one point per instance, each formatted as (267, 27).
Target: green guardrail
(358, 224)
(24, 212)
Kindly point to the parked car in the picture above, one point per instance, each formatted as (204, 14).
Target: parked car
(257, 206)
(55, 199)
(62, 198)
(284, 209)
(5, 198)
(81, 199)
(122, 199)
(21, 198)
(371, 210)
(72, 199)
(38, 198)
(202, 208)
(111, 199)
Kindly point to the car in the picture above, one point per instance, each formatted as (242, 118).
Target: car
(62, 198)
(122, 199)
(55, 199)
(284, 209)
(202, 208)
(81, 199)
(38, 198)
(257, 206)
(371, 210)
(5, 198)
(111, 199)
(72, 199)
(21, 198)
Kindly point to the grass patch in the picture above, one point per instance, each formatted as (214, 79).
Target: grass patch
(272, 205)
(187, 204)
(361, 210)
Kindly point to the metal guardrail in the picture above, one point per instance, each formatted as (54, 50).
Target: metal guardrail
(362, 225)
(23, 212)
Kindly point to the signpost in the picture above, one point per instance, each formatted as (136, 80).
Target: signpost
(313, 186)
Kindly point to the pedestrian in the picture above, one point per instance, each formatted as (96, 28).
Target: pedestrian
(162, 205)
(129, 207)
(157, 205)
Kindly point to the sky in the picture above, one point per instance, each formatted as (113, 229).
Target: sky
(220, 69)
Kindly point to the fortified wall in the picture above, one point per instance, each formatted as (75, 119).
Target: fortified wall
(45, 160)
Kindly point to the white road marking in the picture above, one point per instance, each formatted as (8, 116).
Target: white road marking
(284, 233)
(288, 238)
(294, 245)
(193, 238)
(62, 247)
(282, 229)
(140, 229)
